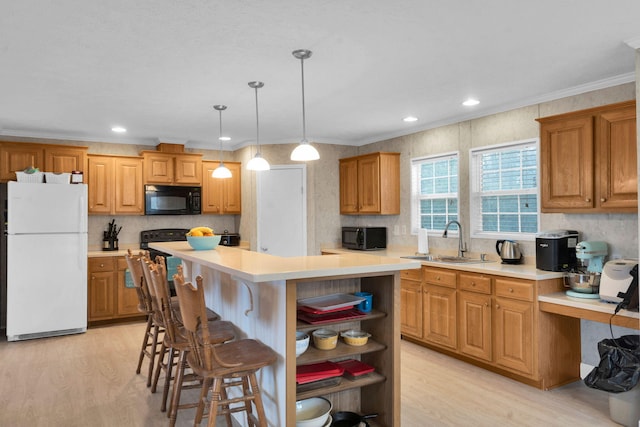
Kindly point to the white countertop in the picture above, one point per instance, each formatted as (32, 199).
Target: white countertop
(521, 271)
(561, 298)
(260, 267)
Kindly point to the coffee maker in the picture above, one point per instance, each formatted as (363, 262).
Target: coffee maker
(584, 280)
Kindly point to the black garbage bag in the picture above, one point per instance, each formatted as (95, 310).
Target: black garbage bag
(619, 368)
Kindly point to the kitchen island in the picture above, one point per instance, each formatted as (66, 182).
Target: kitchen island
(259, 293)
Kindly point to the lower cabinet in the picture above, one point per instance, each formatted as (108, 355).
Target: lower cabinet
(493, 322)
(108, 296)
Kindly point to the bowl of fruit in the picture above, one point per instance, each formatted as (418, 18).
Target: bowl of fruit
(202, 238)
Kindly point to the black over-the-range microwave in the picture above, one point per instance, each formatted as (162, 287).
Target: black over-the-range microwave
(364, 238)
(172, 200)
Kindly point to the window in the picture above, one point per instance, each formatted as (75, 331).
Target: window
(434, 189)
(504, 191)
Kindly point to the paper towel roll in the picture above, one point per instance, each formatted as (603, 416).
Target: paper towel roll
(423, 241)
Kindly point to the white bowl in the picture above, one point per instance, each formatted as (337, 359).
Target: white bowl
(312, 412)
(302, 342)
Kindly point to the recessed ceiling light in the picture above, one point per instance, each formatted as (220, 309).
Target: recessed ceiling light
(118, 129)
(409, 119)
(470, 102)
(224, 138)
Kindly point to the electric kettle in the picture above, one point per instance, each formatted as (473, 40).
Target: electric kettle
(509, 251)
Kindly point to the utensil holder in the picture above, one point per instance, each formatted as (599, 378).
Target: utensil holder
(110, 245)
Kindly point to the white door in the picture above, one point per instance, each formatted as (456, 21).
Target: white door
(282, 210)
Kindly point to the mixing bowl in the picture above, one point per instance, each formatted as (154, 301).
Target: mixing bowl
(586, 283)
(312, 412)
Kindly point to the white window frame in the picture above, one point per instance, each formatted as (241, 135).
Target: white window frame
(475, 195)
(416, 197)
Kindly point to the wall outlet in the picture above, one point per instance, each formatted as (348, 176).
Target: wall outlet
(404, 230)
(396, 230)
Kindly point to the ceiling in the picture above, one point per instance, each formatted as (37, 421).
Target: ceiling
(74, 69)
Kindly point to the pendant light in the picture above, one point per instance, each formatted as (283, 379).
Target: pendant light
(304, 151)
(221, 171)
(257, 163)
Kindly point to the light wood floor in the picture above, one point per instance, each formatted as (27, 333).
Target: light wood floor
(89, 380)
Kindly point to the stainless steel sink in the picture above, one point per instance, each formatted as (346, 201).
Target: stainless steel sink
(447, 259)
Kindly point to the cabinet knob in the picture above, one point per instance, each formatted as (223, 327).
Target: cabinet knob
(101, 265)
(511, 290)
(473, 283)
(486, 304)
(438, 278)
(587, 200)
(497, 305)
(603, 200)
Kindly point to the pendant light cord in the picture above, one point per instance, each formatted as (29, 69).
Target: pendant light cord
(220, 136)
(304, 121)
(257, 125)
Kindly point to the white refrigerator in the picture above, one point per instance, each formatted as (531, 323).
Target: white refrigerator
(46, 260)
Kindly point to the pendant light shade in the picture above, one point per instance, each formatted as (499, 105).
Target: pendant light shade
(257, 163)
(221, 171)
(304, 151)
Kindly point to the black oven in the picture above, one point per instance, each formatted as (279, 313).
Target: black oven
(164, 235)
(172, 200)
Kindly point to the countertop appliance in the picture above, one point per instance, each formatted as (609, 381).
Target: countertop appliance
(556, 250)
(616, 277)
(584, 280)
(364, 238)
(229, 239)
(46, 260)
(172, 200)
(509, 251)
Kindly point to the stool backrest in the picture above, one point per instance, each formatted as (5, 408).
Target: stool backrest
(135, 270)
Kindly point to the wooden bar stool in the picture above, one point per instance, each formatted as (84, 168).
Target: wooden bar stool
(232, 364)
(154, 330)
(175, 343)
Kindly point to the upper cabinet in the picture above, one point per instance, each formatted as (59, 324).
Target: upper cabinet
(17, 156)
(172, 168)
(221, 196)
(115, 185)
(588, 160)
(370, 184)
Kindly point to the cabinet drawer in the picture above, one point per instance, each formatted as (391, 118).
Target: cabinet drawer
(122, 263)
(511, 288)
(413, 274)
(440, 277)
(101, 264)
(475, 283)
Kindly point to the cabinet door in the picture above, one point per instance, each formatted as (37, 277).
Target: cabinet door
(17, 157)
(369, 184)
(188, 169)
(411, 308)
(64, 159)
(211, 189)
(158, 168)
(474, 323)
(349, 186)
(439, 319)
(100, 181)
(617, 160)
(127, 297)
(101, 295)
(514, 334)
(567, 163)
(129, 194)
(232, 190)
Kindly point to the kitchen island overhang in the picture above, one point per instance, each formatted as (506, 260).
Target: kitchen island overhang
(259, 292)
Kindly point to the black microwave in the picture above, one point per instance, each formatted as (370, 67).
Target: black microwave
(172, 200)
(364, 238)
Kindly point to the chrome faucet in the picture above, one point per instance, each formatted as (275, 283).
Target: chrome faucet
(462, 248)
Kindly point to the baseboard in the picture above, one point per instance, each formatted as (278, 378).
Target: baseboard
(585, 370)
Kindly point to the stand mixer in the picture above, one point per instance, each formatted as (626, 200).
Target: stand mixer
(585, 281)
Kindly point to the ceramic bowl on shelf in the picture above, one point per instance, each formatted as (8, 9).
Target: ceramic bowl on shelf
(203, 243)
(302, 342)
(313, 412)
(354, 337)
(325, 339)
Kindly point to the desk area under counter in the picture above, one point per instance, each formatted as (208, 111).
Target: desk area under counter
(259, 292)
